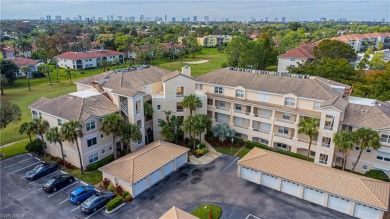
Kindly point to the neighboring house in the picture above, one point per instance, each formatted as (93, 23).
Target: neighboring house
(140, 170)
(89, 108)
(25, 62)
(10, 52)
(177, 213)
(349, 193)
(213, 40)
(300, 54)
(88, 59)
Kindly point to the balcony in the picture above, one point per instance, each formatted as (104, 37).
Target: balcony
(326, 145)
(284, 120)
(242, 112)
(244, 126)
(261, 130)
(282, 135)
(221, 121)
(328, 128)
(339, 153)
(222, 108)
(307, 141)
(124, 109)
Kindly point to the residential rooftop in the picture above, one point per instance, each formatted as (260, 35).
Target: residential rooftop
(304, 51)
(88, 54)
(23, 61)
(177, 213)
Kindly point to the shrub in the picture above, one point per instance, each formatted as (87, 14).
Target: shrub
(59, 160)
(190, 144)
(37, 74)
(238, 141)
(111, 188)
(106, 182)
(377, 174)
(125, 193)
(115, 202)
(118, 189)
(35, 146)
(69, 165)
(127, 198)
(100, 163)
(201, 151)
(272, 68)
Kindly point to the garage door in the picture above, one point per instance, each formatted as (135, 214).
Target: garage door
(313, 195)
(249, 174)
(140, 186)
(291, 188)
(269, 181)
(363, 211)
(168, 168)
(155, 177)
(339, 204)
(180, 161)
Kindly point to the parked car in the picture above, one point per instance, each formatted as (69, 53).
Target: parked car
(96, 202)
(41, 170)
(80, 194)
(58, 182)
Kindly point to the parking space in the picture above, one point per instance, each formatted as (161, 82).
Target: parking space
(20, 196)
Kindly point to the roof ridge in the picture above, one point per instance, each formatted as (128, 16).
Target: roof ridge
(372, 192)
(375, 115)
(81, 109)
(175, 212)
(320, 83)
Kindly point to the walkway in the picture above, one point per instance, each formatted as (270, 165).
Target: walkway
(12, 143)
(207, 158)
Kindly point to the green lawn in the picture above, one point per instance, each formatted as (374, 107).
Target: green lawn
(226, 150)
(13, 150)
(243, 152)
(90, 177)
(203, 212)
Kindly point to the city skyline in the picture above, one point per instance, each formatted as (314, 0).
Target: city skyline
(234, 10)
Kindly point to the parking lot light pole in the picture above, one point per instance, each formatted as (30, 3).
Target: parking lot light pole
(231, 146)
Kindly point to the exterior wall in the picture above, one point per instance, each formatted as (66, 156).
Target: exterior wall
(32, 68)
(125, 186)
(86, 63)
(283, 63)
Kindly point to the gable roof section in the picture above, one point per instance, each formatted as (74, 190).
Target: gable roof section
(177, 213)
(88, 54)
(137, 165)
(348, 185)
(374, 117)
(23, 62)
(304, 51)
(70, 107)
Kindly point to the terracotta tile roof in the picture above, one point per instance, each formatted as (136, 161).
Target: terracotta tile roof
(307, 88)
(137, 165)
(348, 185)
(23, 62)
(71, 107)
(346, 38)
(304, 51)
(177, 213)
(88, 54)
(374, 117)
(338, 102)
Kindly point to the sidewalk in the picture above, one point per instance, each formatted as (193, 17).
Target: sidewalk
(207, 158)
(12, 143)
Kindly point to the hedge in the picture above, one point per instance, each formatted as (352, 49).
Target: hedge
(113, 203)
(100, 163)
(377, 174)
(35, 146)
(250, 145)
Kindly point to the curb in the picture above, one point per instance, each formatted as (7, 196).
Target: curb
(115, 209)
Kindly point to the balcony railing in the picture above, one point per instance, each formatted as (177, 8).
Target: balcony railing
(284, 120)
(244, 126)
(323, 161)
(242, 112)
(221, 121)
(307, 141)
(282, 135)
(339, 154)
(179, 109)
(222, 108)
(325, 145)
(261, 116)
(328, 127)
(124, 109)
(261, 130)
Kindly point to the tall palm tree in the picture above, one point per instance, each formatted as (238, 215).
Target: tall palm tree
(41, 126)
(191, 127)
(191, 102)
(71, 131)
(366, 139)
(26, 70)
(54, 136)
(223, 132)
(113, 124)
(46, 70)
(343, 140)
(309, 127)
(68, 74)
(171, 127)
(3, 82)
(203, 124)
(27, 128)
(130, 133)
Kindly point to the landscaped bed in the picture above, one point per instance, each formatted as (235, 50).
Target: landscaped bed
(203, 211)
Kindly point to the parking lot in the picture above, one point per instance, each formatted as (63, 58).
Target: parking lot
(26, 198)
(186, 188)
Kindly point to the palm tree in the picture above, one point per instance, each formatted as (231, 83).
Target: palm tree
(343, 140)
(366, 139)
(309, 127)
(130, 133)
(71, 131)
(54, 136)
(223, 132)
(26, 70)
(27, 128)
(113, 124)
(191, 102)
(171, 127)
(41, 127)
(68, 74)
(203, 124)
(191, 127)
(47, 70)
(3, 82)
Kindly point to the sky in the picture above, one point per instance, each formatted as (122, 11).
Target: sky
(293, 10)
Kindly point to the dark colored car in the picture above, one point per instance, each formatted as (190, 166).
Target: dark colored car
(58, 182)
(81, 193)
(96, 202)
(41, 170)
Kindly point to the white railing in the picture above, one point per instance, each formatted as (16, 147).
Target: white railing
(261, 116)
(282, 135)
(222, 108)
(241, 112)
(124, 109)
(261, 130)
(242, 125)
(328, 127)
(221, 121)
(284, 120)
(307, 141)
(325, 145)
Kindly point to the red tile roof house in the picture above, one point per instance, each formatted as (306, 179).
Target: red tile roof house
(88, 59)
(8, 51)
(296, 55)
(24, 62)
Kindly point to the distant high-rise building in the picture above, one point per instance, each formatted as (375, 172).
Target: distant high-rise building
(132, 19)
(188, 19)
(87, 20)
(141, 18)
(383, 20)
(284, 19)
(100, 19)
(276, 19)
(42, 18)
(67, 18)
(183, 20)
(266, 19)
(195, 18)
(253, 19)
(323, 19)
(261, 20)
(206, 18)
(165, 18)
(58, 17)
(93, 18)
(158, 19)
(79, 17)
(173, 19)
(120, 18)
(48, 17)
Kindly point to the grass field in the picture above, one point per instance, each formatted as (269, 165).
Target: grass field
(13, 150)
(18, 93)
(229, 151)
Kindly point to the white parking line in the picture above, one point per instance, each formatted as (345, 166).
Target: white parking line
(40, 189)
(17, 163)
(63, 201)
(95, 212)
(250, 215)
(84, 183)
(37, 159)
(63, 189)
(229, 165)
(29, 154)
(26, 167)
(43, 177)
(75, 209)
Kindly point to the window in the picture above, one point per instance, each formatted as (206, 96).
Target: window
(179, 91)
(139, 124)
(110, 148)
(385, 138)
(93, 158)
(35, 114)
(40, 115)
(282, 146)
(90, 125)
(64, 154)
(323, 158)
(382, 156)
(158, 107)
(210, 101)
(221, 104)
(103, 151)
(240, 93)
(138, 107)
(238, 135)
(364, 167)
(179, 107)
(353, 164)
(264, 97)
(101, 136)
(286, 116)
(292, 66)
(218, 90)
(199, 86)
(357, 148)
(326, 142)
(200, 105)
(59, 122)
(238, 107)
(289, 101)
(317, 105)
(283, 130)
(329, 120)
(91, 142)
(368, 150)
(293, 60)
(159, 121)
